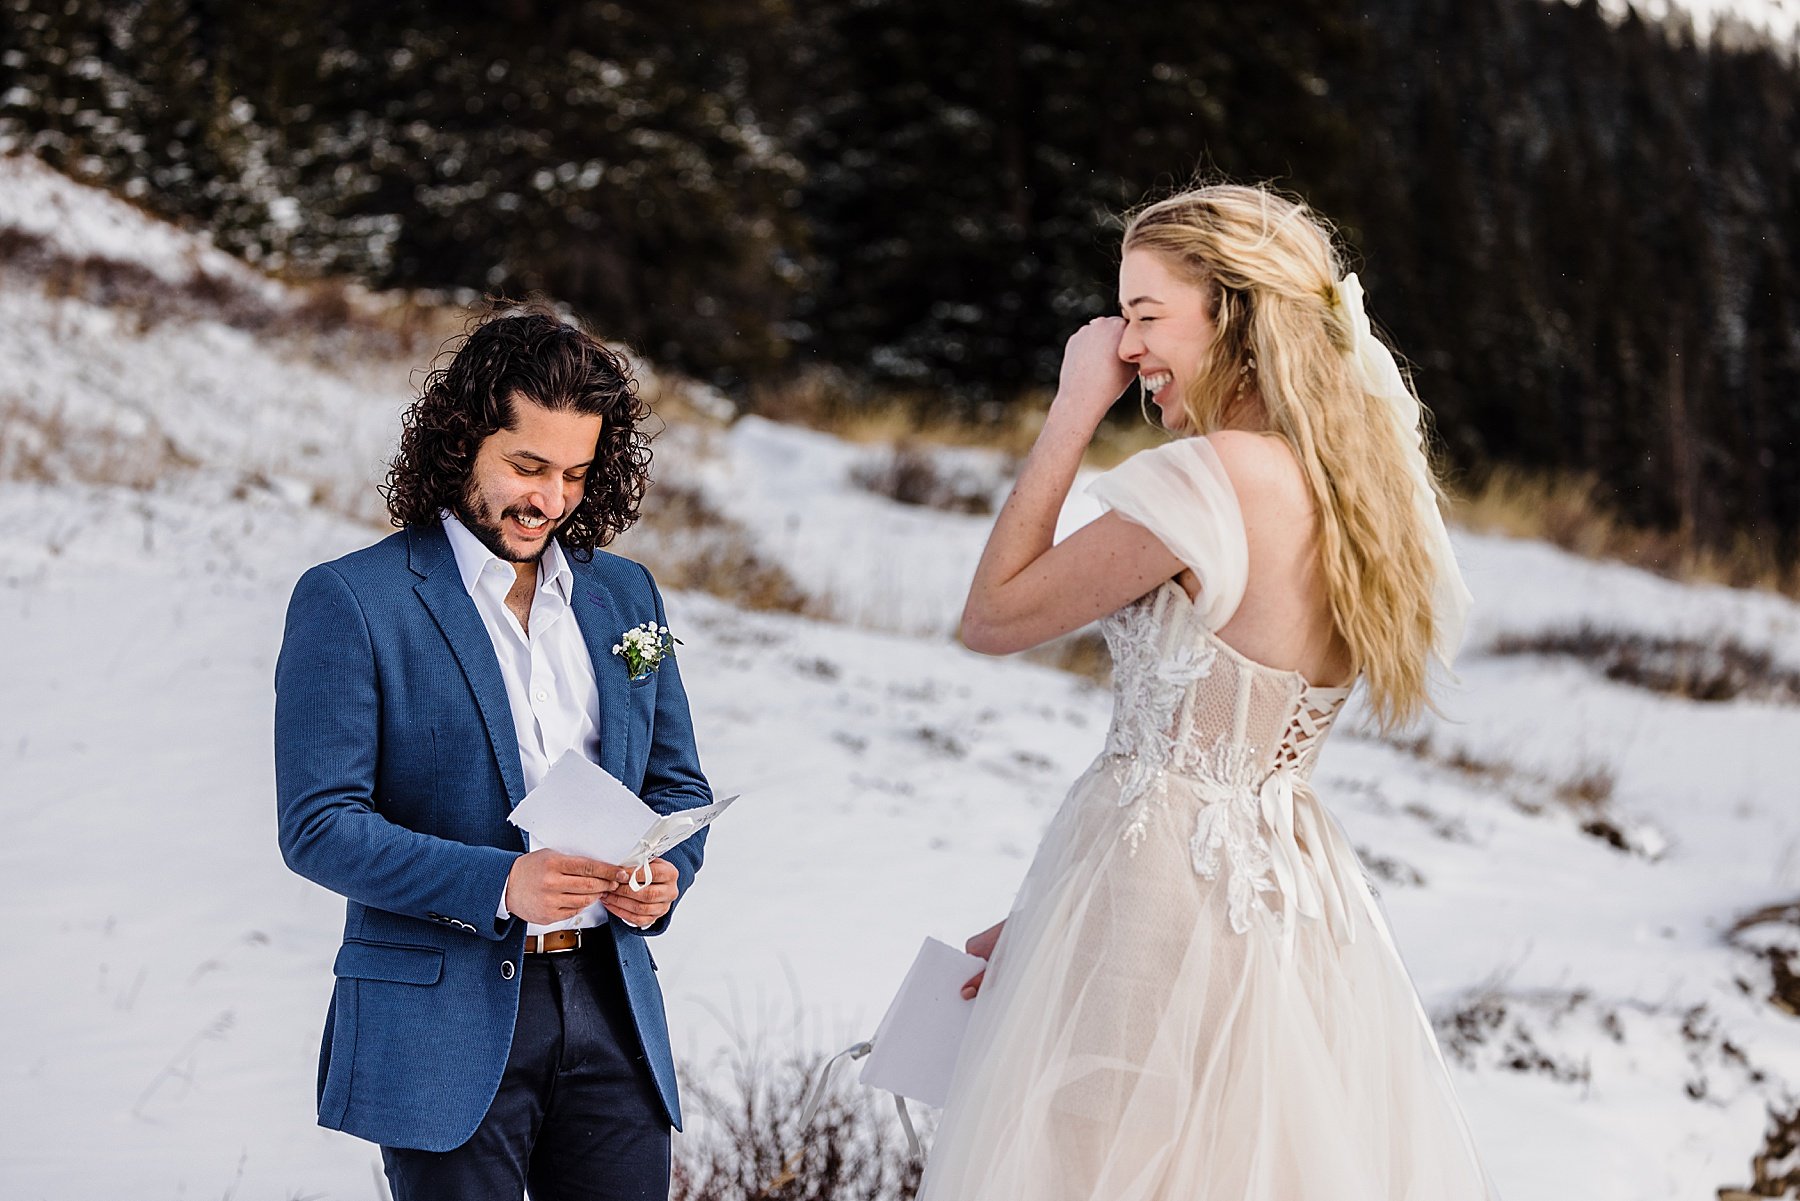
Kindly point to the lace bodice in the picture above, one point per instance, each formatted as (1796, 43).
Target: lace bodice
(1188, 706)
(1234, 739)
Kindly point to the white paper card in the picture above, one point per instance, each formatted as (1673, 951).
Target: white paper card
(578, 808)
(917, 1042)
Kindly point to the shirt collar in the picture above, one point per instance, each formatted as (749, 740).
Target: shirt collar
(472, 559)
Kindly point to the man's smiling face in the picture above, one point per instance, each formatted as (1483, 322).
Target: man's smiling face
(528, 479)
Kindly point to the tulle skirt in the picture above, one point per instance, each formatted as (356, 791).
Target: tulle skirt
(1128, 1044)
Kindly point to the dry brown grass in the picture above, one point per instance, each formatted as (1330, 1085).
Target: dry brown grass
(329, 318)
(1717, 668)
(1082, 653)
(1769, 933)
(1775, 1168)
(1587, 792)
(1497, 1028)
(1564, 510)
(825, 400)
(912, 475)
(755, 1148)
(1567, 511)
(46, 447)
(690, 545)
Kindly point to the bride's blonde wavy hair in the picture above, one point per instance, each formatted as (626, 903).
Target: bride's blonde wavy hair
(1269, 269)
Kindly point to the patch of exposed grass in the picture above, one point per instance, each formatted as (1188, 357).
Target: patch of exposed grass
(1719, 669)
(912, 475)
(1775, 1168)
(327, 317)
(1082, 653)
(1567, 511)
(1587, 793)
(46, 447)
(827, 400)
(133, 451)
(1493, 1026)
(1772, 934)
(1390, 870)
(690, 545)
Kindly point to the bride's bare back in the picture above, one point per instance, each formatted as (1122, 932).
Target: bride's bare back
(1285, 618)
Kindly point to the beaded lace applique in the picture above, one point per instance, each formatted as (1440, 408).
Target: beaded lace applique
(1156, 679)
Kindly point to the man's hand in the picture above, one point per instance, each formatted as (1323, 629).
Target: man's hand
(547, 886)
(982, 947)
(644, 908)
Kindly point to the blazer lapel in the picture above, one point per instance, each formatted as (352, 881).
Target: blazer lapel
(454, 611)
(601, 620)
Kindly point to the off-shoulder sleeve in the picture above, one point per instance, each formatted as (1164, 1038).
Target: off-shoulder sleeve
(1180, 493)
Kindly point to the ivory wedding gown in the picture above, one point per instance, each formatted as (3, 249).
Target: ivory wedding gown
(1196, 996)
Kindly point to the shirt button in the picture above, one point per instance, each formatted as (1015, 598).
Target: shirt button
(506, 970)
(542, 695)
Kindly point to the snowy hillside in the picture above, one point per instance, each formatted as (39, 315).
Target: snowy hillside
(1779, 19)
(1566, 855)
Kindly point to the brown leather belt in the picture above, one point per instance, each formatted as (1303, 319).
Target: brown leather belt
(553, 942)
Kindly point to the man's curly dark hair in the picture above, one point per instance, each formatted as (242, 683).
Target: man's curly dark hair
(524, 350)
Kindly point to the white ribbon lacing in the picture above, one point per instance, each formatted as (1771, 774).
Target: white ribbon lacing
(1323, 880)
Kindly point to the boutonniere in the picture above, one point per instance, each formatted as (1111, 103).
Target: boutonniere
(643, 648)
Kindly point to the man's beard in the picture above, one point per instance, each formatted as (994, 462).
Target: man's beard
(473, 511)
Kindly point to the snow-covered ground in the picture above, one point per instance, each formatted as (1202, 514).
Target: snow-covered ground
(1778, 19)
(169, 976)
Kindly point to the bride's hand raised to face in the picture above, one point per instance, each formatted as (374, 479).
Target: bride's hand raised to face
(1093, 374)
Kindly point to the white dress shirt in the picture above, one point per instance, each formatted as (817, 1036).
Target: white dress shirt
(550, 685)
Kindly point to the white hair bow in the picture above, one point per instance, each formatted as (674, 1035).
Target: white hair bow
(1381, 377)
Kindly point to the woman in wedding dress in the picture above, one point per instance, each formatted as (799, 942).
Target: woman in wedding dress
(1196, 995)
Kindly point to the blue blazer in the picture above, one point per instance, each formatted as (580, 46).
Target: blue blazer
(396, 763)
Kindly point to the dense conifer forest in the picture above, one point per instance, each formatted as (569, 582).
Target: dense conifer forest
(1584, 232)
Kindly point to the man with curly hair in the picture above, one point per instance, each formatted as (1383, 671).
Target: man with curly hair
(496, 1024)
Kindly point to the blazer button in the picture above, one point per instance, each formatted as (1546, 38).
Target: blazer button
(506, 970)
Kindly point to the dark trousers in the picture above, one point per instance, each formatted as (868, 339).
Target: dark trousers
(577, 1117)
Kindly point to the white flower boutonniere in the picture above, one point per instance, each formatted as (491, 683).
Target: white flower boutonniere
(643, 648)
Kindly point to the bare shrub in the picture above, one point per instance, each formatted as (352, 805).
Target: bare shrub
(818, 398)
(1490, 1026)
(1591, 787)
(1721, 669)
(1390, 870)
(1775, 1168)
(1587, 793)
(911, 475)
(690, 545)
(334, 320)
(753, 1147)
(1772, 934)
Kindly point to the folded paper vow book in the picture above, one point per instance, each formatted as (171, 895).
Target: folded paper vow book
(580, 809)
(916, 1045)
